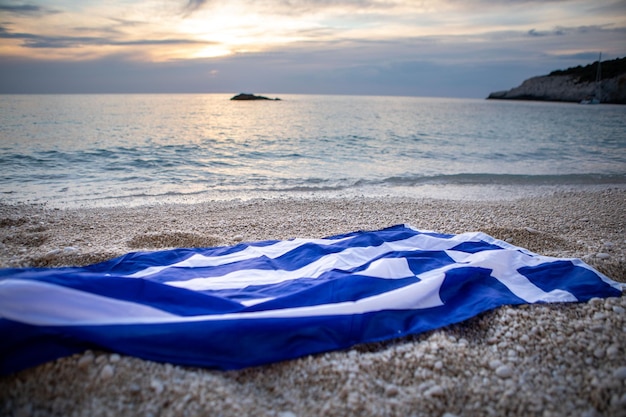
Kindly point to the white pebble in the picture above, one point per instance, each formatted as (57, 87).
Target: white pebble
(84, 361)
(494, 364)
(391, 391)
(612, 351)
(286, 414)
(69, 249)
(504, 371)
(599, 316)
(596, 301)
(434, 391)
(114, 358)
(238, 238)
(618, 309)
(620, 373)
(603, 255)
(157, 386)
(589, 413)
(107, 372)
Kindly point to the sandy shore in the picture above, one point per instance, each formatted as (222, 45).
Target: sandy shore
(557, 359)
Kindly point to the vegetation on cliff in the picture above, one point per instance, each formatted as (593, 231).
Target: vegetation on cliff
(610, 69)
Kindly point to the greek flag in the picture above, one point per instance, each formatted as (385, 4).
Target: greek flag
(262, 302)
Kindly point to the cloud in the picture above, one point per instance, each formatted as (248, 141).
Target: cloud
(581, 57)
(54, 42)
(301, 8)
(38, 41)
(26, 9)
(193, 6)
(537, 33)
(615, 7)
(317, 5)
(20, 9)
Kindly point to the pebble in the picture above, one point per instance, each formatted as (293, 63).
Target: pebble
(495, 364)
(156, 385)
(238, 238)
(504, 371)
(620, 373)
(599, 316)
(391, 391)
(85, 361)
(603, 255)
(612, 351)
(107, 372)
(434, 391)
(599, 353)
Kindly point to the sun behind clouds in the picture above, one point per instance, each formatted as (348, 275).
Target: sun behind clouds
(231, 28)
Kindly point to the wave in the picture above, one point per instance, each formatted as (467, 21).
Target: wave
(325, 185)
(502, 179)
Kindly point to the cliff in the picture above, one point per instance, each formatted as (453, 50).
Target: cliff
(573, 85)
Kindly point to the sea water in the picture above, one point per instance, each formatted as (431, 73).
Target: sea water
(137, 149)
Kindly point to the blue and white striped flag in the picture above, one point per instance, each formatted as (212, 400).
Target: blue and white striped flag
(256, 303)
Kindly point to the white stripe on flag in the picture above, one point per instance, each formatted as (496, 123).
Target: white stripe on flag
(348, 258)
(271, 251)
(41, 303)
(69, 307)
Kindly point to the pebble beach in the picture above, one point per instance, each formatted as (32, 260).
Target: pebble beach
(530, 360)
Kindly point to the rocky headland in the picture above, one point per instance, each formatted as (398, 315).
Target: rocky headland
(573, 85)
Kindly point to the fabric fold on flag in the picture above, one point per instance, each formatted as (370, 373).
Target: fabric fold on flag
(262, 302)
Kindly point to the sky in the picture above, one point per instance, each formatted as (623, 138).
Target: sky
(430, 48)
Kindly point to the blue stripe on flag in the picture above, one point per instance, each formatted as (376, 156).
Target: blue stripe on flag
(570, 275)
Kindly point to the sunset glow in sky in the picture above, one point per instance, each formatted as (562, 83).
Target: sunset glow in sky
(430, 48)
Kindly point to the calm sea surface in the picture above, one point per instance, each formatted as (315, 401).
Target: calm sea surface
(135, 149)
